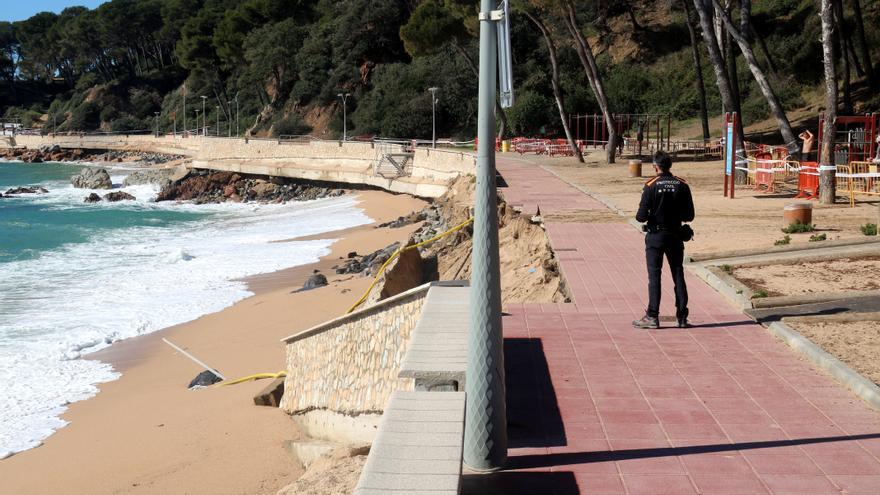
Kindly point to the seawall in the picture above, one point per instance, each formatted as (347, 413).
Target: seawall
(426, 174)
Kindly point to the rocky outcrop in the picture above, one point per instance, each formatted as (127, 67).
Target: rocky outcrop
(54, 153)
(27, 190)
(92, 178)
(217, 187)
(92, 198)
(118, 196)
(368, 264)
(160, 177)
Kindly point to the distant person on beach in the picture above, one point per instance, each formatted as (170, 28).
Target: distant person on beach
(666, 203)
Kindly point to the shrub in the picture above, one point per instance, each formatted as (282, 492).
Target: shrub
(797, 227)
(818, 237)
(727, 269)
(87, 116)
(783, 242)
(290, 126)
(128, 123)
(760, 294)
(869, 229)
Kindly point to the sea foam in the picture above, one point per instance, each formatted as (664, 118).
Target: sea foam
(81, 297)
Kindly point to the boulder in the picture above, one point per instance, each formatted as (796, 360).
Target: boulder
(27, 190)
(204, 379)
(159, 177)
(92, 178)
(118, 196)
(229, 191)
(315, 281)
(263, 189)
(92, 198)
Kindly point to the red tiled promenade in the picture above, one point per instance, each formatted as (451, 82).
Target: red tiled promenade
(597, 407)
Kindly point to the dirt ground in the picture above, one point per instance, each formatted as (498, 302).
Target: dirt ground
(752, 220)
(839, 275)
(855, 343)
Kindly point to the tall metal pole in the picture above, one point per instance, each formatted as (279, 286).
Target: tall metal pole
(485, 433)
(229, 118)
(185, 131)
(204, 115)
(157, 123)
(433, 116)
(237, 133)
(344, 97)
(217, 131)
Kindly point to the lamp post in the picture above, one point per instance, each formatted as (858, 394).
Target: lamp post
(344, 97)
(54, 124)
(229, 119)
(157, 123)
(485, 429)
(204, 115)
(433, 91)
(197, 120)
(185, 131)
(217, 131)
(237, 132)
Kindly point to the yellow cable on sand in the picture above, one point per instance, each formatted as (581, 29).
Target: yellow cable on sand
(257, 376)
(398, 253)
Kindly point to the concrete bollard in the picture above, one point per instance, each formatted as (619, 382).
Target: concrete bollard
(793, 212)
(635, 168)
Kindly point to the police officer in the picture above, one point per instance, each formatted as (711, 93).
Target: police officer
(666, 203)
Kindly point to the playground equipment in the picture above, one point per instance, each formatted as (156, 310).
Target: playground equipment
(639, 132)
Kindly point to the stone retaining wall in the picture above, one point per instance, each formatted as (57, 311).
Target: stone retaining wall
(350, 365)
(332, 161)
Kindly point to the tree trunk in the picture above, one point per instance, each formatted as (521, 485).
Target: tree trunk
(704, 9)
(776, 109)
(841, 36)
(827, 190)
(698, 67)
(860, 31)
(499, 112)
(585, 53)
(763, 44)
(557, 90)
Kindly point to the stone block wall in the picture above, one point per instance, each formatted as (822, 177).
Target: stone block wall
(350, 365)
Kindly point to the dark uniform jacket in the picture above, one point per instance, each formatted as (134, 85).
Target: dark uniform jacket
(666, 203)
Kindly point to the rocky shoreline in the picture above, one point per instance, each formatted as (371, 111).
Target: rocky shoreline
(55, 153)
(201, 186)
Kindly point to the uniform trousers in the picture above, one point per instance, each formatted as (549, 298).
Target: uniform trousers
(658, 244)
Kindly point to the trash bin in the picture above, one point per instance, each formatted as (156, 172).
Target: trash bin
(793, 212)
(635, 168)
(505, 146)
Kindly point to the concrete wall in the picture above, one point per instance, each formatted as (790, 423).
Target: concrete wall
(332, 161)
(350, 365)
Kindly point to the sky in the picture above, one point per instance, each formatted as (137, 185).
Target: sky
(16, 10)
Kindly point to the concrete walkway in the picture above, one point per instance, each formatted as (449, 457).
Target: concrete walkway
(597, 407)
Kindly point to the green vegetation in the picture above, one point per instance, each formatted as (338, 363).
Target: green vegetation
(798, 227)
(279, 64)
(869, 229)
(760, 293)
(783, 242)
(727, 269)
(818, 237)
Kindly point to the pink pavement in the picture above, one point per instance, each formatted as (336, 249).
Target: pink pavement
(598, 407)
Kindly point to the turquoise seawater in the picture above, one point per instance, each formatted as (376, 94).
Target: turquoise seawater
(33, 224)
(76, 277)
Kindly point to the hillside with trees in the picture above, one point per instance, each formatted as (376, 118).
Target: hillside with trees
(278, 65)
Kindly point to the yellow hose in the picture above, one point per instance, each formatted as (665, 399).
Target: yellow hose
(398, 253)
(257, 376)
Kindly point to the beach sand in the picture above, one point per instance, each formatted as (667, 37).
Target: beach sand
(145, 433)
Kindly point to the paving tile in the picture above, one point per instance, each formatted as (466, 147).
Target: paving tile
(797, 484)
(658, 485)
(782, 463)
(858, 484)
(724, 464)
(723, 484)
(597, 484)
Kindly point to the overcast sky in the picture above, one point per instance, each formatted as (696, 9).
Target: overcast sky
(16, 10)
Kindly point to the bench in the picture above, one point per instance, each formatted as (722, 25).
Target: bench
(418, 446)
(436, 358)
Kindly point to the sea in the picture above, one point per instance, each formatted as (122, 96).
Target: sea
(76, 277)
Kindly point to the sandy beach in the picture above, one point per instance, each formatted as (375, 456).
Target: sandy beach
(145, 433)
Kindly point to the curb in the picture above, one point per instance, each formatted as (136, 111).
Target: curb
(744, 253)
(859, 385)
(781, 301)
(739, 300)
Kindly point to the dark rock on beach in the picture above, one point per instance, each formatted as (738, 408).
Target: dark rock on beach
(202, 186)
(204, 379)
(118, 196)
(369, 263)
(92, 178)
(27, 190)
(92, 198)
(160, 177)
(315, 281)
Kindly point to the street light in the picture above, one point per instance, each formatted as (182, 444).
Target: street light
(229, 120)
(237, 133)
(157, 123)
(217, 131)
(344, 97)
(433, 91)
(197, 120)
(204, 124)
(485, 428)
(185, 130)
